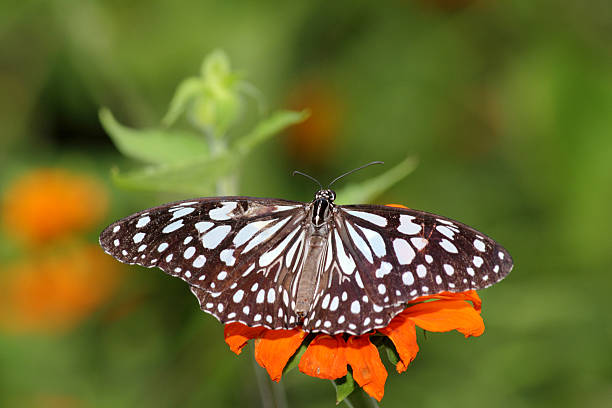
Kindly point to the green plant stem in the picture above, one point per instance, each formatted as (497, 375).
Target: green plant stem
(228, 185)
(272, 395)
(360, 399)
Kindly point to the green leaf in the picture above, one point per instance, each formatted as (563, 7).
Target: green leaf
(344, 387)
(194, 178)
(154, 145)
(294, 361)
(187, 90)
(367, 191)
(269, 127)
(387, 346)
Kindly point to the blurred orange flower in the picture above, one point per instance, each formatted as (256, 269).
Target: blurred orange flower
(57, 285)
(55, 291)
(313, 140)
(48, 204)
(328, 356)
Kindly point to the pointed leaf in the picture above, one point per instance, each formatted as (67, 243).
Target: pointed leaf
(183, 96)
(294, 361)
(197, 178)
(154, 145)
(269, 127)
(344, 387)
(388, 347)
(367, 191)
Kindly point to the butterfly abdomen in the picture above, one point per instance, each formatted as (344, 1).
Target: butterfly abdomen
(316, 242)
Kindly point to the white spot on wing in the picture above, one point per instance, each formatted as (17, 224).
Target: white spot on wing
(449, 269)
(448, 246)
(199, 261)
(214, 237)
(355, 307)
(421, 271)
(361, 244)
(173, 226)
(407, 278)
(479, 245)
(182, 212)
(143, 221)
(271, 295)
(189, 252)
(478, 261)
(373, 218)
(249, 230)
(334, 304)
(346, 261)
(403, 251)
(267, 258)
(261, 295)
(375, 241)
(383, 270)
(447, 232)
(138, 237)
(222, 213)
(407, 226)
(419, 242)
(203, 226)
(291, 252)
(227, 256)
(265, 235)
(278, 208)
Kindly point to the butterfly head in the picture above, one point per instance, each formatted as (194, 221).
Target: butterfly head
(326, 194)
(322, 206)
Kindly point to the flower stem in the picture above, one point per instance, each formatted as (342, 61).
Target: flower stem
(360, 399)
(272, 395)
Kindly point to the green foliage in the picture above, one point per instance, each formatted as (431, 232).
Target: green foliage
(507, 105)
(186, 162)
(367, 191)
(159, 146)
(294, 361)
(344, 387)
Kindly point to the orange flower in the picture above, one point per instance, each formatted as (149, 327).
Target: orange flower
(314, 140)
(328, 356)
(47, 204)
(54, 292)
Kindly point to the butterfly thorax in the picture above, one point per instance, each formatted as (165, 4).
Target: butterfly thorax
(316, 242)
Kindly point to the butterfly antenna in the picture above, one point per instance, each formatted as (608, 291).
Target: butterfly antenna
(354, 170)
(307, 176)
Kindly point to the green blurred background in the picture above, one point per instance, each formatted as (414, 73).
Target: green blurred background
(506, 104)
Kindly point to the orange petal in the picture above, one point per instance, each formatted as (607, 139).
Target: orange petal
(237, 335)
(368, 370)
(325, 357)
(402, 333)
(397, 206)
(470, 295)
(275, 347)
(446, 315)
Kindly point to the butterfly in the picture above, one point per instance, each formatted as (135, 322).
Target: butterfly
(319, 266)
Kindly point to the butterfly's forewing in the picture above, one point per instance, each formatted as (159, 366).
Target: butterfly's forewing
(239, 254)
(379, 258)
